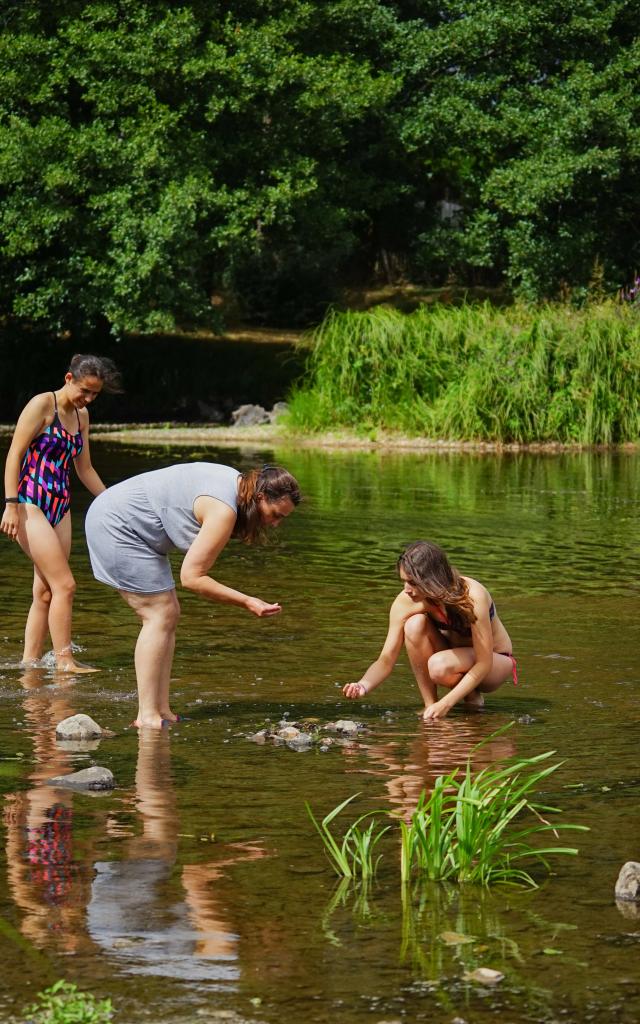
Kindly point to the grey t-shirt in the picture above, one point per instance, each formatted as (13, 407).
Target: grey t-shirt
(158, 506)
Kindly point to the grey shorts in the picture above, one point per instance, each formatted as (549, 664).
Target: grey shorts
(120, 557)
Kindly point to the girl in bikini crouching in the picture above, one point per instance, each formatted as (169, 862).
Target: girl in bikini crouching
(452, 632)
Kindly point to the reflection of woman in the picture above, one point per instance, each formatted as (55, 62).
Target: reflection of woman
(196, 508)
(134, 912)
(45, 875)
(452, 633)
(51, 433)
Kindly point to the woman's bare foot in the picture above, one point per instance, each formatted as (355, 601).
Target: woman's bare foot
(68, 665)
(474, 700)
(151, 722)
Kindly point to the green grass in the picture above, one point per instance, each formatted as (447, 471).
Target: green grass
(63, 1003)
(481, 829)
(355, 856)
(517, 374)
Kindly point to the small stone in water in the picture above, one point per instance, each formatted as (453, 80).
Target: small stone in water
(288, 733)
(78, 727)
(346, 725)
(628, 883)
(454, 938)
(484, 975)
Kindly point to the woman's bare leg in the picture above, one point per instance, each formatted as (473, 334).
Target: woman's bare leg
(37, 627)
(449, 666)
(48, 549)
(159, 614)
(422, 640)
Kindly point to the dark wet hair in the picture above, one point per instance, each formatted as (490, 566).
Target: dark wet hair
(429, 570)
(274, 483)
(97, 366)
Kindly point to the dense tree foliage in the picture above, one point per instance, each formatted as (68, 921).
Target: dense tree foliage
(154, 154)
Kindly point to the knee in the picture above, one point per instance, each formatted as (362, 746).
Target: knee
(41, 593)
(173, 615)
(169, 616)
(65, 588)
(438, 666)
(414, 629)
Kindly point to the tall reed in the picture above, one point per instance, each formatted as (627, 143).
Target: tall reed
(520, 373)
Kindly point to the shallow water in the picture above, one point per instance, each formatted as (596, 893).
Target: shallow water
(197, 890)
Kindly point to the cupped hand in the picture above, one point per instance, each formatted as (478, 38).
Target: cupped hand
(10, 522)
(261, 608)
(436, 711)
(354, 690)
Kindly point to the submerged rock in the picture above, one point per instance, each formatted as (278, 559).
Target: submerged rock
(628, 883)
(347, 725)
(288, 733)
(94, 778)
(78, 727)
(307, 734)
(484, 976)
(300, 742)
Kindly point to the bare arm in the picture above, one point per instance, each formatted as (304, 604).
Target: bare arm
(84, 468)
(482, 637)
(218, 521)
(401, 609)
(31, 422)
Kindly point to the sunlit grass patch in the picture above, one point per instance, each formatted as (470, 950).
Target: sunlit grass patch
(516, 374)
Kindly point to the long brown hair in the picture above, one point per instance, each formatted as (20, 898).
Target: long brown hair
(428, 568)
(274, 483)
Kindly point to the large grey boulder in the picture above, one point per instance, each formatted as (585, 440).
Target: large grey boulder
(279, 409)
(78, 727)
(249, 416)
(93, 779)
(628, 883)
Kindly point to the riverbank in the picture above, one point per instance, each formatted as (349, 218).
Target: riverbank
(274, 435)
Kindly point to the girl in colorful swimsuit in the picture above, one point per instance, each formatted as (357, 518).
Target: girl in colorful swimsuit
(51, 433)
(452, 633)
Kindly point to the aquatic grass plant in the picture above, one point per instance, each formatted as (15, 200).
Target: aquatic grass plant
(481, 829)
(521, 373)
(64, 1003)
(355, 856)
(468, 829)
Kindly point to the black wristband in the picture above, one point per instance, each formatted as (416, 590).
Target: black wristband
(12, 501)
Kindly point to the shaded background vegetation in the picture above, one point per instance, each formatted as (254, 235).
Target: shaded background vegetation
(156, 157)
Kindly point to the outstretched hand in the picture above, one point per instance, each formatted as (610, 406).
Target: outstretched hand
(354, 690)
(261, 608)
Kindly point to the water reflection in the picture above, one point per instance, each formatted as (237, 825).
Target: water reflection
(407, 767)
(137, 911)
(154, 916)
(47, 879)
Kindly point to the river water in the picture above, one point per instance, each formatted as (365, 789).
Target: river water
(197, 889)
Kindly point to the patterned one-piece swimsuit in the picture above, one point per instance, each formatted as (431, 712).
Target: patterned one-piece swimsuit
(44, 474)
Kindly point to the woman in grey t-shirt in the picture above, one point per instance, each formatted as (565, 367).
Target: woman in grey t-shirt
(197, 508)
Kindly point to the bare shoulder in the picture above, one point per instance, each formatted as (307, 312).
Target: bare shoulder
(37, 413)
(404, 607)
(42, 403)
(478, 592)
